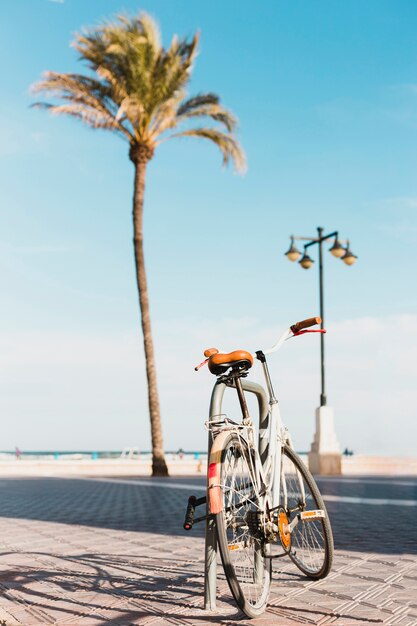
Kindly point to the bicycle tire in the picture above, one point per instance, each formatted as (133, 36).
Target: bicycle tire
(311, 547)
(242, 549)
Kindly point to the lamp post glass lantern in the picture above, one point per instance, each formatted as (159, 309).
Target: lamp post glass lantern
(339, 252)
(337, 249)
(306, 262)
(292, 253)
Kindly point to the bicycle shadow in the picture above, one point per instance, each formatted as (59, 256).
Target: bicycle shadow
(127, 591)
(117, 591)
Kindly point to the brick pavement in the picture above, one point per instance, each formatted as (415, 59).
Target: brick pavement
(88, 553)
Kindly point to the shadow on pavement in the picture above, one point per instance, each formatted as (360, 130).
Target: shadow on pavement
(90, 585)
(120, 590)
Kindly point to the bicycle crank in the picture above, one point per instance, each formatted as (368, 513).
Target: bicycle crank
(286, 527)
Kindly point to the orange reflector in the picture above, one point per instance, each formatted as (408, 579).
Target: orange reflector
(284, 533)
(234, 546)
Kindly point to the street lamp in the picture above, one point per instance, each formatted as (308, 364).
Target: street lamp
(338, 251)
(324, 456)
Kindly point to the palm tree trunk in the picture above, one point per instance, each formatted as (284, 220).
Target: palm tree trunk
(159, 466)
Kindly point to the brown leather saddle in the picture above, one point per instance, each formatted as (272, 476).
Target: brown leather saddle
(219, 363)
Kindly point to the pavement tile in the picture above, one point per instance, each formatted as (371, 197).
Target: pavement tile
(110, 562)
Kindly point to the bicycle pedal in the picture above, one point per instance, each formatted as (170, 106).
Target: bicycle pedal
(190, 520)
(310, 516)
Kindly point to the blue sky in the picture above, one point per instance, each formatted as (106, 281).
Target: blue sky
(326, 96)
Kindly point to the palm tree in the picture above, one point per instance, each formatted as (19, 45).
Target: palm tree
(137, 89)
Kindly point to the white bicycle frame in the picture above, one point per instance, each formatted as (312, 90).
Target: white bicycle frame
(272, 436)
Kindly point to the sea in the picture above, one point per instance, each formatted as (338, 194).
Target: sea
(94, 454)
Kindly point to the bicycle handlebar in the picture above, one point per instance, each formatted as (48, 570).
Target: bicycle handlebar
(290, 332)
(311, 321)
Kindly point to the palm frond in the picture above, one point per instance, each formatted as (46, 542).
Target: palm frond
(89, 116)
(172, 71)
(165, 117)
(227, 144)
(215, 111)
(91, 47)
(201, 99)
(116, 87)
(150, 31)
(81, 91)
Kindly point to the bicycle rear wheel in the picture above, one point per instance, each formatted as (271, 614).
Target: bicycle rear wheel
(311, 543)
(240, 540)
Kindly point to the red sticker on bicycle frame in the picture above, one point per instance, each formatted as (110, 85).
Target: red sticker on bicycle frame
(212, 470)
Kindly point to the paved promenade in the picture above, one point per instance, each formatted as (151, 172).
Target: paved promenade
(95, 552)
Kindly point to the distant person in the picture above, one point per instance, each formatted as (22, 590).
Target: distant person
(180, 454)
(18, 453)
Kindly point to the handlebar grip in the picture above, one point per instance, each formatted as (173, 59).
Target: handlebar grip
(311, 321)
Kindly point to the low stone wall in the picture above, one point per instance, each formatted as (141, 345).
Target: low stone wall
(379, 465)
(354, 465)
(97, 467)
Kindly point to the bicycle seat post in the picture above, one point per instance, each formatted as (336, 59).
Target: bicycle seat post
(242, 399)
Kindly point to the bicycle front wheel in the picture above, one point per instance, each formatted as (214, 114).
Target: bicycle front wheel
(311, 543)
(242, 547)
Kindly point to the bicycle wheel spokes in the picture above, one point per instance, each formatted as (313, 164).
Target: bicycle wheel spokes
(311, 539)
(239, 495)
(240, 538)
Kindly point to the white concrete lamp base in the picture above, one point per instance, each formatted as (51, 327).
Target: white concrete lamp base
(324, 457)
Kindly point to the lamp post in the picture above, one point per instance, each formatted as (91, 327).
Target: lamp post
(325, 443)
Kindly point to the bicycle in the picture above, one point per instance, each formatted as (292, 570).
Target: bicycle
(259, 492)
